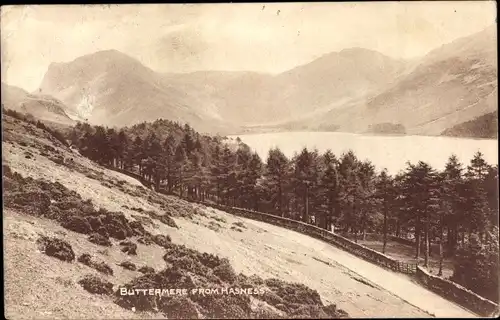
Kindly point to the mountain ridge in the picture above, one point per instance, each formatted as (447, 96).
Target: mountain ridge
(350, 90)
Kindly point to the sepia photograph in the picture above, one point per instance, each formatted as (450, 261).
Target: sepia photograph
(300, 160)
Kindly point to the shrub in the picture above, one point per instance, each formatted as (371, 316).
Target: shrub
(96, 285)
(116, 224)
(137, 228)
(144, 220)
(147, 239)
(219, 219)
(224, 306)
(308, 312)
(225, 272)
(100, 266)
(95, 222)
(236, 229)
(56, 248)
(168, 221)
(333, 312)
(161, 240)
(77, 224)
(146, 269)
(129, 247)
(240, 224)
(128, 265)
(179, 308)
(167, 278)
(100, 239)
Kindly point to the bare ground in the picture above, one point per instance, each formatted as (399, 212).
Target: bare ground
(38, 286)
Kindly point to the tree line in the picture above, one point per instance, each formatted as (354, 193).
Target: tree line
(456, 208)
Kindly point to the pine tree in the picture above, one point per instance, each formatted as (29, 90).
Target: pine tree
(122, 145)
(452, 187)
(180, 162)
(169, 149)
(491, 189)
(227, 175)
(100, 145)
(477, 204)
(329, 191)
(366, 201)
(216, 171)
(276, 175)
(386, 195)
(255, 171)
(348, 171)
(305, 178)
(422, 197)
(138, 153)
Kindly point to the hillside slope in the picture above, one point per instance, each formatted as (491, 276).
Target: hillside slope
(111, 88)
(452, 84)
(38, 286)
(12, 96)
(485, 126)
(43, 107)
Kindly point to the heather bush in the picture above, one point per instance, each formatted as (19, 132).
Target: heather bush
(96, 285)
(56, 248)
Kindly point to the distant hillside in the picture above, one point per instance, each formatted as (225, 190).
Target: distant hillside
(12, 96)
(109, 87)
(348, 91)
(452, 84)
(43, 107)
(485, 126)
(336, 77)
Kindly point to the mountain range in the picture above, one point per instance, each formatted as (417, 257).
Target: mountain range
(354, 90)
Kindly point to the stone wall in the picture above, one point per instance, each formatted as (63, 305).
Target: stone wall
(379, 237)
(322, 234)
(445, 288)
(455, 292)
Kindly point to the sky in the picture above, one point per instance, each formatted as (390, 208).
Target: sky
(271, 37)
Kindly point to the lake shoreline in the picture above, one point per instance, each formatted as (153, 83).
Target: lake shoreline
(361, 134)
(384, 151)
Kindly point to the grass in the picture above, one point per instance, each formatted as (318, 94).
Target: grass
(406, 254)
(40, 286)
(191, 269)
(187, 268)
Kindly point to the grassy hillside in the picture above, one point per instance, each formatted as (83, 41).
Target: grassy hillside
(485, 126)
(113, 232)
(93, 246)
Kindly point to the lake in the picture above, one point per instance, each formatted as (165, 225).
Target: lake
(391, 152)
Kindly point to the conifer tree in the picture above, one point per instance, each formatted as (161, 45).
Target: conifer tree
(276, 176)
(386, 196)
(329, 191)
